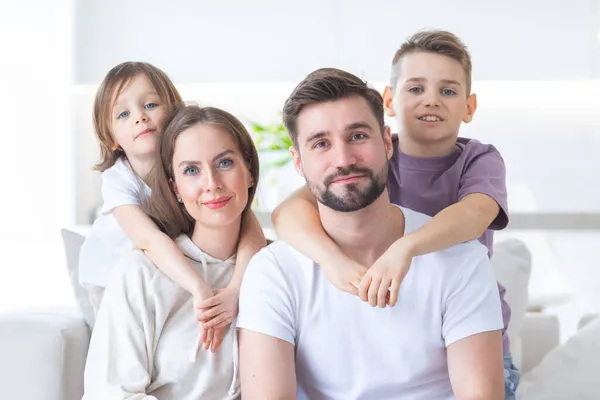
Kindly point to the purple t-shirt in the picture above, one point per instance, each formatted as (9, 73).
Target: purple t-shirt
(429, 185)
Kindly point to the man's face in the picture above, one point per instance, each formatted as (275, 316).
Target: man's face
(342, 153)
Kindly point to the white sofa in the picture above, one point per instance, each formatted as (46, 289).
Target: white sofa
(43, 351)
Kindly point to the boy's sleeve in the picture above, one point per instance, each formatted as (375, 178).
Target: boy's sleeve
(486, 174)
(119, 189)
(472, 304)
(266, 301)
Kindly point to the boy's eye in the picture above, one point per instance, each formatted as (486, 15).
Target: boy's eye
(225, 163)
(124, 114)
(415, 90)
(191, 171)
(150, 106)
(448, 92)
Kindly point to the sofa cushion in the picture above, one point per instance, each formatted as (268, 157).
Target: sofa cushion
(512, 266)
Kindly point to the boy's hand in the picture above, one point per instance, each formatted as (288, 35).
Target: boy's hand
(220, 310)
(345, 274)
(387, 273)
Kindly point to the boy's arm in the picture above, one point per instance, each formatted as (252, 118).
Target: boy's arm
(461, 222)
(161, 249)
(296, 220)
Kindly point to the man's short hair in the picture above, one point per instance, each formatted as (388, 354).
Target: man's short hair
(328, 84)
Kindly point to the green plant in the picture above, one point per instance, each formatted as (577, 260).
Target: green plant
(272, 138)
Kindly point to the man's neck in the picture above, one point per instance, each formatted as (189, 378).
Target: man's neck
(425, 149)
(366, 234)
(218, 242)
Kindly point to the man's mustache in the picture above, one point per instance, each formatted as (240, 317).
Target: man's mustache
(342, 172)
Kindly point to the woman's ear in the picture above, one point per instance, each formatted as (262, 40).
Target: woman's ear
(174, 189)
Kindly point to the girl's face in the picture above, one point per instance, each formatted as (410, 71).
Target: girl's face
(137, 117)
(210, 175)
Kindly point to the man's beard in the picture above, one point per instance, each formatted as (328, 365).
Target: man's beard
(353, 198)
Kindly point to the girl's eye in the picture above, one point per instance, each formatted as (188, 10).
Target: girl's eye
(150, 106)
(124, 114)
(191, 171)
(415, 90)
(448, 92)
(225, 163)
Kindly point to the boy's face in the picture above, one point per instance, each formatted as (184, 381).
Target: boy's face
(430, 99)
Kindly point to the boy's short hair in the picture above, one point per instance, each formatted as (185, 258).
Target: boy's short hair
(328, 84)
(437, 42)
(114, 81)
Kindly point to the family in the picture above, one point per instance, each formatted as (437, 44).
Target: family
(380, 285)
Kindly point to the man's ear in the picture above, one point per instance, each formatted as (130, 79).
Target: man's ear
(387, 140)
(471, 107)
(388, 101)
(297, 161)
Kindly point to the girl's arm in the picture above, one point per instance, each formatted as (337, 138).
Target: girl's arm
(222, 308)
(161, 249)
(297, 221)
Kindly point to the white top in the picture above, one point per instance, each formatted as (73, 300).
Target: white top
(145, 344)
(346, 349)
(107, 241)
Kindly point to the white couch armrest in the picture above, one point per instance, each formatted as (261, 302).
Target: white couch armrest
(539, 335)
(43, 354)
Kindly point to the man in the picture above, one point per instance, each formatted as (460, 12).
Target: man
(300, 337)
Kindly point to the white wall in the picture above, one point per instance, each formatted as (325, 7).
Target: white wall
(36, 168)
(279, 41)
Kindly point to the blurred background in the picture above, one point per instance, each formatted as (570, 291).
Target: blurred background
(536, 71)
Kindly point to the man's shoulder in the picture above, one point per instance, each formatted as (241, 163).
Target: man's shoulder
(279, 254)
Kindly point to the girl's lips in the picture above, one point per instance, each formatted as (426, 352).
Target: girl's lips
(144, 132)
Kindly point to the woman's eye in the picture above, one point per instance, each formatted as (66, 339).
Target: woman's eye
(225, 163)
(191, 171)
(124, 114)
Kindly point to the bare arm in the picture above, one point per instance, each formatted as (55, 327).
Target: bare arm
(296, 220)
(475, 367)
(251, 241)
(461, 222)
(160, 248)
(267, 367)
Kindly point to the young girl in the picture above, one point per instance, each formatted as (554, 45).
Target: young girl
(130, 107)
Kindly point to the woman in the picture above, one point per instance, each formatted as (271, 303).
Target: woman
(146, 343)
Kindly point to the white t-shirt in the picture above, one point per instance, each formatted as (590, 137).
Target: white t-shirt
(107, 241)
(346, 349)
(145, 344)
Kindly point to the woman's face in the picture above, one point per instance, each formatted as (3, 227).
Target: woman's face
(211, 176)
